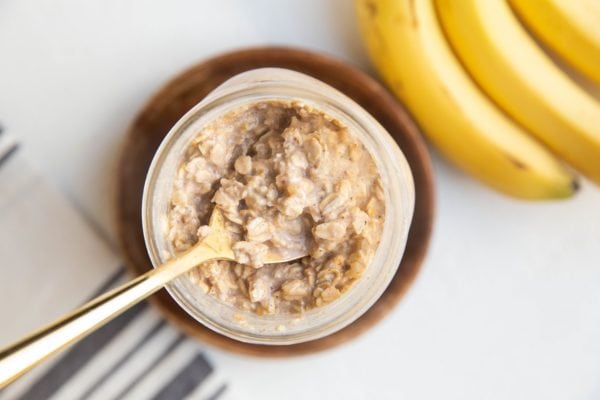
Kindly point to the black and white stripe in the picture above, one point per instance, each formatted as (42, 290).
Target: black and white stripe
(159, 364)
(135, 356)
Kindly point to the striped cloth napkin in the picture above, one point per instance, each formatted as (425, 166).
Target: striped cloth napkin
(52, 261)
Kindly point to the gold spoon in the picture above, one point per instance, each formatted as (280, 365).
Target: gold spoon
(23, 355)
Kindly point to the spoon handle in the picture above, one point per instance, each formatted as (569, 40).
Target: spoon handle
(23, 355)
(18, 358)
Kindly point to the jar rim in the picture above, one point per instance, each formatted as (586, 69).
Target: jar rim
(279, 84)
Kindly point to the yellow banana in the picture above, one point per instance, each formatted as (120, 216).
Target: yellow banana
(407, 45)
(523, 80)
(569, 27)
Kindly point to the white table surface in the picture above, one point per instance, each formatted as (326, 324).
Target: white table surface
(508, 302)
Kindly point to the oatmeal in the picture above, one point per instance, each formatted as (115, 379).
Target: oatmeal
(285, 176)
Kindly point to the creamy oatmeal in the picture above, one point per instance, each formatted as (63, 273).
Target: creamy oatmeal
(286, 176)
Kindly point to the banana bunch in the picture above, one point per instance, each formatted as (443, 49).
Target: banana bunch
(485, 93)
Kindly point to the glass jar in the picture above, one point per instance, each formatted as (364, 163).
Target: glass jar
(282, 84)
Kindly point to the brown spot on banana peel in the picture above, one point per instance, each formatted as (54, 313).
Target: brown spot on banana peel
(452, 102)
(371, 8)
(517, 163)
(414, 21)
(398, 86)
(380, 39)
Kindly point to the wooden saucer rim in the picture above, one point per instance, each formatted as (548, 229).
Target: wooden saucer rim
(336, 73)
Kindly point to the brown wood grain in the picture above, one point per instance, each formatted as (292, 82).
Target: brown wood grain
(184, 91)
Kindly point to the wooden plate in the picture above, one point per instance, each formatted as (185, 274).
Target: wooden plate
(184, 91)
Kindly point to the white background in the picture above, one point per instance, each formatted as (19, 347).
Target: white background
(508, 302)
